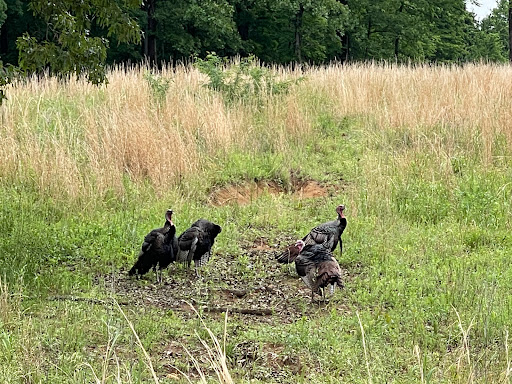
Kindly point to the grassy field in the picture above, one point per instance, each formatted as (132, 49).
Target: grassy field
(421, 156)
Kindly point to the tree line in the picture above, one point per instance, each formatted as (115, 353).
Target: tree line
(80, 37)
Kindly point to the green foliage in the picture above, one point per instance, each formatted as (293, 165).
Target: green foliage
(289, 31)
(158, 86)
(188, 28)
(495, 33)
(69, 47)
(79, 37)
(242, 81)
(3, 12)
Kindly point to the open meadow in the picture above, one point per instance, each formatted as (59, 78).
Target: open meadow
(420, 155)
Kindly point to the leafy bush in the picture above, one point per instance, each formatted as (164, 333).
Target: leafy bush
(158, 86)
(245, 80)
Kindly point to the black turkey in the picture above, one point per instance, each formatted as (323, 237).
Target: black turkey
(318, 268)
(196, 243)
(327, 234)
(158, 249)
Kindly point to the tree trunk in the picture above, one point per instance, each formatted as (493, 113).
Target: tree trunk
(397, 37)
(510, 30)
(368, 34)
(241, 19)
(150, 35)
(298, 32)
(345, 46)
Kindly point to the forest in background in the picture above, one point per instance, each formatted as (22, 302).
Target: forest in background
(82, 38)
(277, 32)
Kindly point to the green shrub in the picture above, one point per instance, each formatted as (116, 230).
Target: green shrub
(158, 86)
(245, 80)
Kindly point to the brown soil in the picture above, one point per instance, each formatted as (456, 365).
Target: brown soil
(243, 194)
(258, 287)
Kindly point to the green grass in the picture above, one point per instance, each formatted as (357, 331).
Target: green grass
(426, 252)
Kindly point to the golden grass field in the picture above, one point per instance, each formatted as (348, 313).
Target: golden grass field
(75, 139)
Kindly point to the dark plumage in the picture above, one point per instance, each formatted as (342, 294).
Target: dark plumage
(327, 234)
(318, 268)
(158, 249)
(196, 243)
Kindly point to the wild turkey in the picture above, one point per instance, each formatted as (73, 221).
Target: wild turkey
(318, 268)
(327, 234)
(158, 249)
(196, 243)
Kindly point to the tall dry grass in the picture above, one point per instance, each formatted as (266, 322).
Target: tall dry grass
(76, 140)
(456, 101)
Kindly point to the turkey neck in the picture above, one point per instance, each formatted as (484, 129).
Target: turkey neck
(342, 221)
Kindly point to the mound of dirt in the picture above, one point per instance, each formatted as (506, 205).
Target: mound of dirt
(243, 194)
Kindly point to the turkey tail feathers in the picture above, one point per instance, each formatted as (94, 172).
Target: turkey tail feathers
(288, 255)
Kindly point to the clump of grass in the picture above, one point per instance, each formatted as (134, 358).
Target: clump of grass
(216, 354)
(9, 305)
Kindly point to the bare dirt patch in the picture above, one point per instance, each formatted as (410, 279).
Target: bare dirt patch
(247, 192)
(251, 285)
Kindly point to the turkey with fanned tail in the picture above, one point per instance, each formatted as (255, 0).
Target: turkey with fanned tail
(318, 268)
(158, 249)
(196, 243)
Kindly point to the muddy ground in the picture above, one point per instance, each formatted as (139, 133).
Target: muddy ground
(251, 285)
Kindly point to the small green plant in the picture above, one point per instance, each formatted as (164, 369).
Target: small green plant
(158, 86)
(245, 80)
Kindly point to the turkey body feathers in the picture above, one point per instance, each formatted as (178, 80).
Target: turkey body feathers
(157, 250)
(196, 242)
(318, 268)
(328, 234)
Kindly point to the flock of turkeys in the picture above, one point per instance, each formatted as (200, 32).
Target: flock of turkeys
(312, 255)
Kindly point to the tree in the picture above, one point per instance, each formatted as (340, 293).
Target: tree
(497, 25)
(284, 31)
(187, 28)
(389, 30)
(150, 35)
(68, 45)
